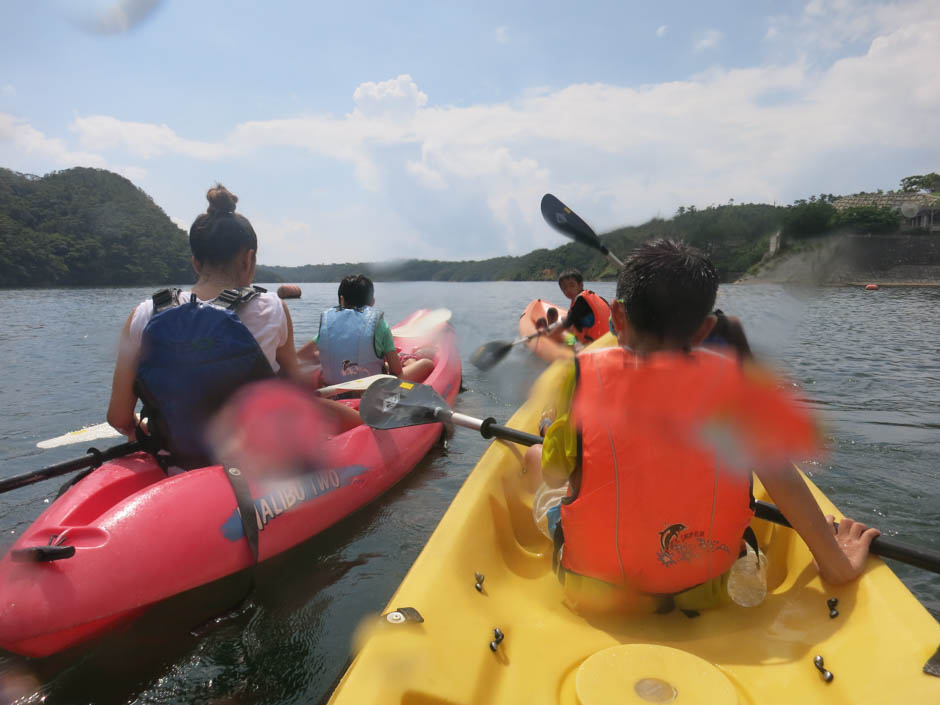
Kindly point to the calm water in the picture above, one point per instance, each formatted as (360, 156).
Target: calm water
(868, 360)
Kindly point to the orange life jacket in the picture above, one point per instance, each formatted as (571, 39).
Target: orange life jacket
(655, 511)
(601, 317)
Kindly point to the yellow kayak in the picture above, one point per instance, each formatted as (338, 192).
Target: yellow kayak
(495, 628)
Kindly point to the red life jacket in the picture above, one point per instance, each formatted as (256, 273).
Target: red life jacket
(601, 317)
(656, 511)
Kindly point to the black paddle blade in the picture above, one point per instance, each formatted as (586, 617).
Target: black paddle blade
(567, 222)
(395, 403)
(489, 354)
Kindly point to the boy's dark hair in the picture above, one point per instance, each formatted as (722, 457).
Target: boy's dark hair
(667, 289)
(356, 290)
(219, 234)
(572, 274)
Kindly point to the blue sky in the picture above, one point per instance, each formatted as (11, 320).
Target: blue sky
(381, 130)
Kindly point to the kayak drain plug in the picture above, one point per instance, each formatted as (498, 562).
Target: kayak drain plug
(832, 602)
(821, 666)
(498, 637)
(479, 577)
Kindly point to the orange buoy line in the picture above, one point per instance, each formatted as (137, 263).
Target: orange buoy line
(872, 287)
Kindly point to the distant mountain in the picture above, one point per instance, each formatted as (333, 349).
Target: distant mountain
(736, 237)
(92, 227)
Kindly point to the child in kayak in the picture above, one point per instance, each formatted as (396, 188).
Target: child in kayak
(355, 341)
(647, 471)
(183, 353)
(589, 313)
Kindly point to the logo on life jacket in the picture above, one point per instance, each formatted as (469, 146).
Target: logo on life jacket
(351, 368)
(678, 545)
(668, 535)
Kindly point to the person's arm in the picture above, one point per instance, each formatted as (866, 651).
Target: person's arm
(394, 363)
(285, 354)
(309, 352)
(559, 454)
(579, 310)
(840, 556)
(123, 399)
(384, 343)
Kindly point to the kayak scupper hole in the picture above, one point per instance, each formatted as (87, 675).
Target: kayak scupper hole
(655, 690)
(515, 556)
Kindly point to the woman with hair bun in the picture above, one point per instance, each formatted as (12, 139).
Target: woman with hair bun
(182, 353)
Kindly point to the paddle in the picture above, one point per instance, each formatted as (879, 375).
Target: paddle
(391, 404)
(567, 222)
(93, 459)
(356, 385)
(82, 435)
(489, 354)
(394, 403)
(104, 430)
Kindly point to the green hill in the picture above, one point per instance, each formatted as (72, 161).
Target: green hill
(735, 236)
(90, 227)
(86, 227)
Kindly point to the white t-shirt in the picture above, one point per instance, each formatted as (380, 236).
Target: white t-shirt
(263, 316)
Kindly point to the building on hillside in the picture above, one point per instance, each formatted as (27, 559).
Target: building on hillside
(919, 210)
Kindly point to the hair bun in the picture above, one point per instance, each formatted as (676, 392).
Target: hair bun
(221, 200)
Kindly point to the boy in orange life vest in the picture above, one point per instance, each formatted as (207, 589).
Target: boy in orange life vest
(647, 468)
(589, 313)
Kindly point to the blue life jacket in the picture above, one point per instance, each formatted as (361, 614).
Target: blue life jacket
(193, 356)
(347, 344)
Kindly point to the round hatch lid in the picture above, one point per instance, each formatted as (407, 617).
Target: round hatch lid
(639, 674)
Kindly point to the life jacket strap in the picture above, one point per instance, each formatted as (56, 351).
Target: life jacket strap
(231, 299)
(164, 299)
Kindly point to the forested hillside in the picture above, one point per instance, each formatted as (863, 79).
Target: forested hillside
(92, 227)
(735, 236)
(86, 227)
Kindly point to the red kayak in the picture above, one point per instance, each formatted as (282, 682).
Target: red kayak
(140, 537)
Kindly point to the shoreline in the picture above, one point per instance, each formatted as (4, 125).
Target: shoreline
(831, 285)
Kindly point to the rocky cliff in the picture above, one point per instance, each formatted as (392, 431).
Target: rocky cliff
(855, 259)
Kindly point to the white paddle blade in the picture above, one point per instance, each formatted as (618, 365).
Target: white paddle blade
(82, 435)
(425, 323)
(355, 385)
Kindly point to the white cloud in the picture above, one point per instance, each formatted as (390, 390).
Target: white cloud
(18, 135)
(620, 153)
(501, 34)
(396, 97)
(145, 140)
(772, 33)
(7, 90)
(709, 39)
(661, 30)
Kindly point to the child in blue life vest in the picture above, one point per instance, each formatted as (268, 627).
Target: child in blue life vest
(589, 313)
(646, 471)
(355, 341)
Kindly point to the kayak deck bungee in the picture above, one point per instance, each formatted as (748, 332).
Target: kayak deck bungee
(140, 536)
(548, 347)
(495, 629)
